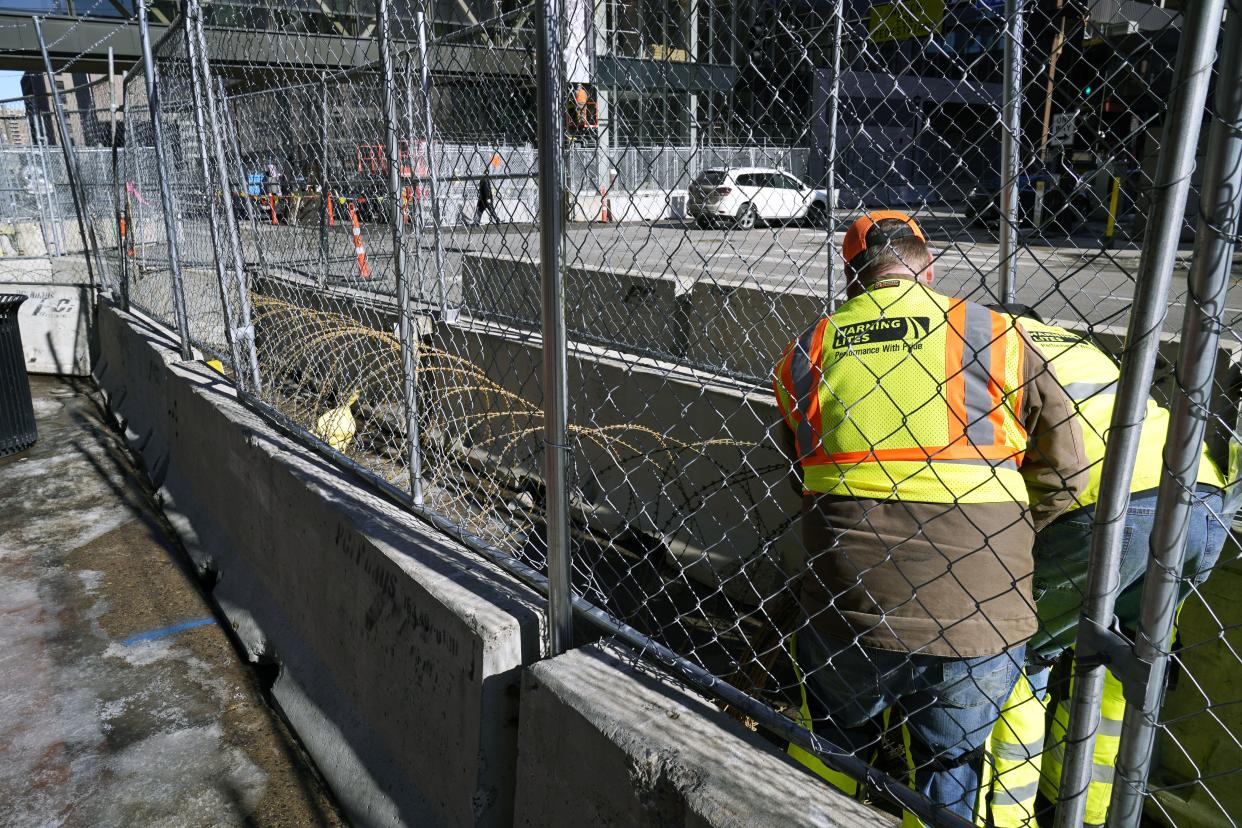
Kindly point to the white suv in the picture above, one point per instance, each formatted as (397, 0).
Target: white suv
(743, 196)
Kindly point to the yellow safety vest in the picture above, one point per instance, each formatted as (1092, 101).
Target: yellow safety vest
(905, 394)
(1089, 377)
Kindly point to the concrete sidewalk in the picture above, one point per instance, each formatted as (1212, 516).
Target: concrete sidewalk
(122, 702)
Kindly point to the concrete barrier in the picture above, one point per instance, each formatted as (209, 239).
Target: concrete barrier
(399, 654)
(610, 305)
(650, 455)
(22, 238)
(26, 238)
(521, 205)
(625, 206)
(742, 331)
(57, 319)
(668, 758)
(737, 331)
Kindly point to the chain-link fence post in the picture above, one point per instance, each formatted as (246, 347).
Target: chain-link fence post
(555, 369)
(226, 115)
(51, 220)
(322, 278)
(834, 118)
(409, 349)
(1098, 645)
(245, 323)
(118, 219)
(122, 181)
(166, 197)
(415, 204)
(1010, 132)
(1196, 360)
(70, 167)
(219, 251)
(429, 146)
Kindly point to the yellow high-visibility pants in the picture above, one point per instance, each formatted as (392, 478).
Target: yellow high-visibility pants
(1015, 749)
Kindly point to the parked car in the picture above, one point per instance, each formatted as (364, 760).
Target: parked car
(1068, 200)
(744, 196)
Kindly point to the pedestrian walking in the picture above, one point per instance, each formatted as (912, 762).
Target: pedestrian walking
(914, 423)
(484, 203)
(273, 179)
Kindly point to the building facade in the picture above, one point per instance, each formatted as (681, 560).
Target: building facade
(14, 127)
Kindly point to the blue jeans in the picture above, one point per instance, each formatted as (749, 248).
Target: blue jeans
(1062, 549)
(950, 706)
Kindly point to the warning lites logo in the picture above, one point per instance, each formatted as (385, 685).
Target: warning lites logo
(1055, 338)
(892, 329)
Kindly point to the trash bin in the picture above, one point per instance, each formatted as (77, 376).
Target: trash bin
(17, 422)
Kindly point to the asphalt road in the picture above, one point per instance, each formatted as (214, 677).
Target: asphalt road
(1071, 279)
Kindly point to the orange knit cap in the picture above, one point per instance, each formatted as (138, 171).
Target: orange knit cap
(864, 237)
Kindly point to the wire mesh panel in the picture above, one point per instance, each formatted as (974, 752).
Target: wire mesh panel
(36, 199)
(1179, 745)
(31, 203)
(148, 275)
(915, 117)
(317, 258)
(90, 138)
(470, 109)
(742, 315)
(195, 195)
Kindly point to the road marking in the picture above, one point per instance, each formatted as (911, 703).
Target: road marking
(162, 632)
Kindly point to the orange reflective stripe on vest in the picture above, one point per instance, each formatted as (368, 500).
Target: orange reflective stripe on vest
(804, 373)
(975, 368)
(981, 455)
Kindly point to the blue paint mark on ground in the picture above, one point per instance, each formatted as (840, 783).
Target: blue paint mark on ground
(151, 635)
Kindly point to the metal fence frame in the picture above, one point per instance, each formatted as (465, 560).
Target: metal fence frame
(1140, 665)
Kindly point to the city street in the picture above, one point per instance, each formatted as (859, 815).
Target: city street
(1070, 280)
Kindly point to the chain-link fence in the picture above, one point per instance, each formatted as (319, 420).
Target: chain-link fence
(585, 286)
(147, 256)
(37, 209)
(32, 205)
(58, 151)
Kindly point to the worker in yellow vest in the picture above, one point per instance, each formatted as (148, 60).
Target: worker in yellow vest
(1089, 376)
(914, 422)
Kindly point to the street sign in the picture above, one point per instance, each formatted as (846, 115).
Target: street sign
(905, 19)
(1064, 125)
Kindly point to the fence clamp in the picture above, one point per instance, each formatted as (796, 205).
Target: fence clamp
(1098, 645)
(244, 332)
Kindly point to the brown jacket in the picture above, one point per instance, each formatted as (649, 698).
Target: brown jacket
(950, 580)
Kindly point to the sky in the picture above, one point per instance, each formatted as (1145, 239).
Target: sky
(10, 84)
